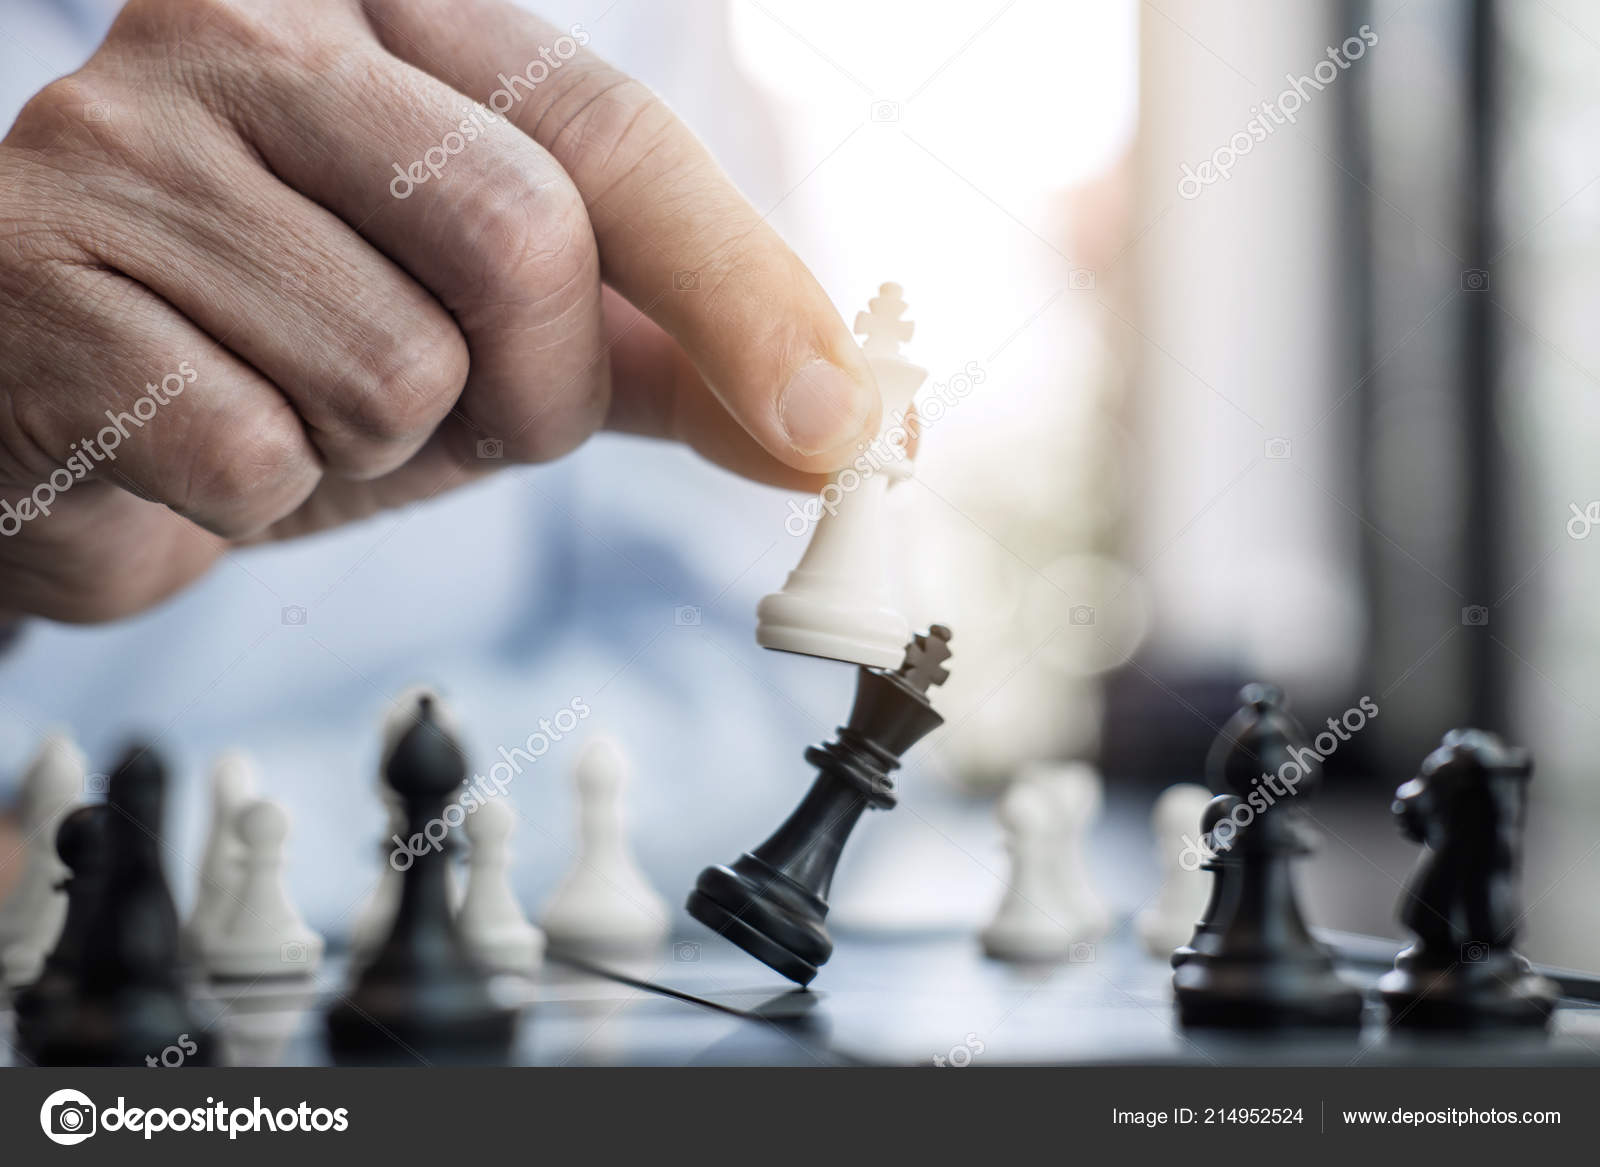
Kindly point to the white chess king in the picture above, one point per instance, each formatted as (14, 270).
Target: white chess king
(836, 603)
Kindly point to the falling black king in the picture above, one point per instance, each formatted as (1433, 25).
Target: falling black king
(772, 901)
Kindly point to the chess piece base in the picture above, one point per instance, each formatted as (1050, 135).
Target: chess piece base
(393, 1023)
(822, 624)
(765, 913)
(1467, 996)
(1023, 949)
(1221, 994)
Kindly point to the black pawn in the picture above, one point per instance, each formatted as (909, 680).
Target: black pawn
(47, 1003)
(773, 901)
(130, 1001)
(1466, 808)
(1219, 862)
(1259, 967)
(422, 995)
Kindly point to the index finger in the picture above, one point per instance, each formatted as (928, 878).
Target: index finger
(675, 236)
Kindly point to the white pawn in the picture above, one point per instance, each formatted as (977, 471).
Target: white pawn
(233, 784)
(1032, 922)
(31, 918)
(265, 936)
(1175, 821)
(491, 921)
(1078, 791)
(604, 903)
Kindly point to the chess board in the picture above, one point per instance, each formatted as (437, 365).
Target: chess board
(925, 1000)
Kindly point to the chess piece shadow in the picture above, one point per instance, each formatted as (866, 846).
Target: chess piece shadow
(1466, 807)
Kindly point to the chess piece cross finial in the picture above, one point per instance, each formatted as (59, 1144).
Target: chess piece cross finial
(881, 324)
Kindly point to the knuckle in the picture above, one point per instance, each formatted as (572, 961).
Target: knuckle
(407, 380)
(84, 99)
(518, 230)
(256, 475)
(567, 417)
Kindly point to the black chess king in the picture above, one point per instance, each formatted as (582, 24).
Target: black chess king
(773, 901)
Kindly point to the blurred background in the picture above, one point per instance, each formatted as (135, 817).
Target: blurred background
(1265, 335)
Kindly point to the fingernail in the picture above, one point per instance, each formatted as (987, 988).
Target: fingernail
(823, 407)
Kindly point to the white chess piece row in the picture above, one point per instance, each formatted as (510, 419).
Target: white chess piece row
(604, 905)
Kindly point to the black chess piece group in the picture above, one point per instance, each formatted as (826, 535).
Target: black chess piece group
(112, 991)
(773, 901)
(1252, 963)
